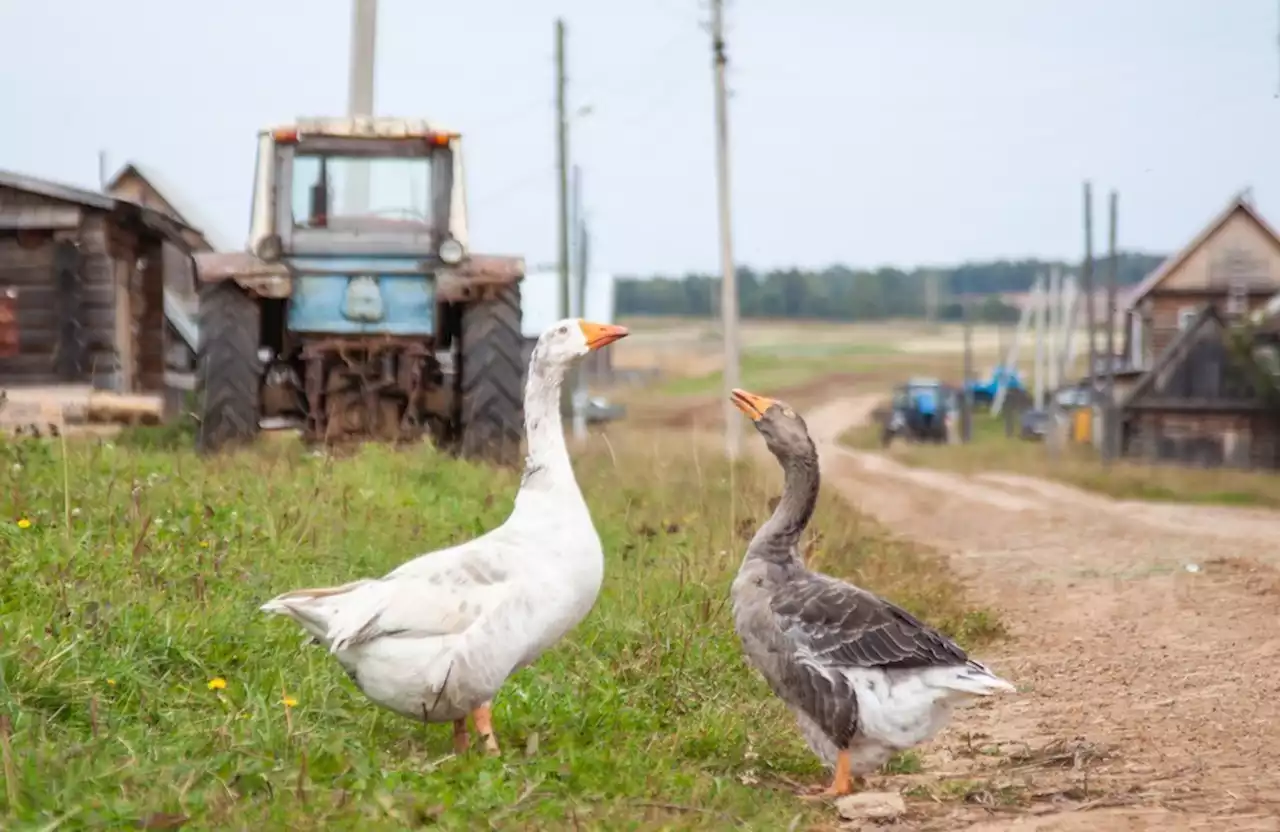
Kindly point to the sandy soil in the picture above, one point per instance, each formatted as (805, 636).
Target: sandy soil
(1144, 644)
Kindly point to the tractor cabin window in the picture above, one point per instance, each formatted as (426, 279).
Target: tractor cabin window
(328, 192)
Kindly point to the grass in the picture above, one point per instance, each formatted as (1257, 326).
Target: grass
(132, 577)
(1080, 466)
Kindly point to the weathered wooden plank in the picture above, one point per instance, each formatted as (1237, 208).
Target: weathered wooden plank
(39, 217)
(71, 352)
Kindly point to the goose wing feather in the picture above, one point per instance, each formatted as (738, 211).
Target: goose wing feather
(838, 625)
(442, 594)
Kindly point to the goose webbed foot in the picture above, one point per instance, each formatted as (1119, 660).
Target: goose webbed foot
(483, 716)
(841, 784)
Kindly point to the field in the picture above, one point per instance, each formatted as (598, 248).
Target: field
(141, 688)
(133, 577)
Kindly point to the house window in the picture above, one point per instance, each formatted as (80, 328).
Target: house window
(1186, 315)
(1237, 299)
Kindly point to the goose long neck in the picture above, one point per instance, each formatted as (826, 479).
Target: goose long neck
(547, 462)
(778, 537)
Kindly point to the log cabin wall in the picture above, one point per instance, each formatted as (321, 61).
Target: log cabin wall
(89, 303)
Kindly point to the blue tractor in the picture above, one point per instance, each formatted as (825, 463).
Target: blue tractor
(358, 310)
(984, 392)
(919, 412)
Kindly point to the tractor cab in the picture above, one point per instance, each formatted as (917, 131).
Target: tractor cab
(359, 275)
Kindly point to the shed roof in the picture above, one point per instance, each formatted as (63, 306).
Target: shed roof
(1240, 202)
(169, 227)
(188, 211)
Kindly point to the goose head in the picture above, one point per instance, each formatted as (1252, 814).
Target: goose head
(783, 430)
(565, 342)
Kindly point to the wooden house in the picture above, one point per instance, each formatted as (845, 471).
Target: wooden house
(82, 278)
(1206, 401)
(1233, 264)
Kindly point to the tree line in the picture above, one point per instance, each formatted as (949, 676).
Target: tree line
(842, 293)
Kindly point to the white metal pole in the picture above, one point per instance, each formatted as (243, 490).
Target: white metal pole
(1011, 360)
(1055, 327)
(1038, 376)
(364, 30)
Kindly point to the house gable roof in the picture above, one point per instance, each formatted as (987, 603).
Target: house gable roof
(186, 211)
(1240, 202)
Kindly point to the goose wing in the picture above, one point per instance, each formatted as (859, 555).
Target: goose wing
(836, 632)
(442, 595)
(836, 624)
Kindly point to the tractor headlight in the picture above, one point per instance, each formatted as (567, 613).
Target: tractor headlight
(451, 251)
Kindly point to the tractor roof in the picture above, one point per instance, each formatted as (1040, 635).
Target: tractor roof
(366, 127)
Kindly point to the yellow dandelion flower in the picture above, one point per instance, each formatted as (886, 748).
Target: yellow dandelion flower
(24, 523)
(111, 682)
(204, 544)
(289, 702)
(217, 683)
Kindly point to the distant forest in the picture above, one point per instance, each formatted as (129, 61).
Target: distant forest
(841, 293)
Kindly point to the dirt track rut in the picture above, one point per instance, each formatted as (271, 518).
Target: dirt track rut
(1145, 641)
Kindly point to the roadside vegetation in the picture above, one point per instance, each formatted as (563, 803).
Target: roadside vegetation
(140, 687)
(1079, 466)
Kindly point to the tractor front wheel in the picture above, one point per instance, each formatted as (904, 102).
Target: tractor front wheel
(491, 379)
(227, 369)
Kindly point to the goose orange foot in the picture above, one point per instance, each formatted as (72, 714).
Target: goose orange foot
(483, 717)
(841, 784)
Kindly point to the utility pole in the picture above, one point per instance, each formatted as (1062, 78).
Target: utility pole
(966, 391)
(729, 282)
(364, 31)
(1042, 303)
(1055, 327)
(562, 163)
(1086, 274)
(1110, 429)
(580, 303)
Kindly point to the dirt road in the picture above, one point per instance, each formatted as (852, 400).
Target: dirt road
(1146, 641)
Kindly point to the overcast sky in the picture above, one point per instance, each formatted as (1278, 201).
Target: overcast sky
(866, 133)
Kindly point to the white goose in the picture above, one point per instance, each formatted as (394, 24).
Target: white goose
(435, 639)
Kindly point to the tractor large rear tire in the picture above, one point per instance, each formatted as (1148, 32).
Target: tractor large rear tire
(228, 371)
(491, 379)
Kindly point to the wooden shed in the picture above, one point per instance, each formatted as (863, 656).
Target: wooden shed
(145, 186)
(1205, 402)
(82, 278)
(1232, 264)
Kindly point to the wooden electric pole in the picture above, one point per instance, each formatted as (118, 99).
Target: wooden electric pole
(1110, 427)
(728, 280)
(562, 164)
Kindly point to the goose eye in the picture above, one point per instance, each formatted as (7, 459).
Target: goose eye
(563, 330)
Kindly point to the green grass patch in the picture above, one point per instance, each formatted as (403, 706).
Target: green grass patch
(132, 580)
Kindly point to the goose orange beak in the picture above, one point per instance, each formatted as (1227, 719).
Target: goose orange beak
(751, 404)
(601, 335)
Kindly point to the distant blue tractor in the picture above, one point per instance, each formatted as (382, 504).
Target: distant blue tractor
(984, 392)
(919, 412)
(358, 311)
